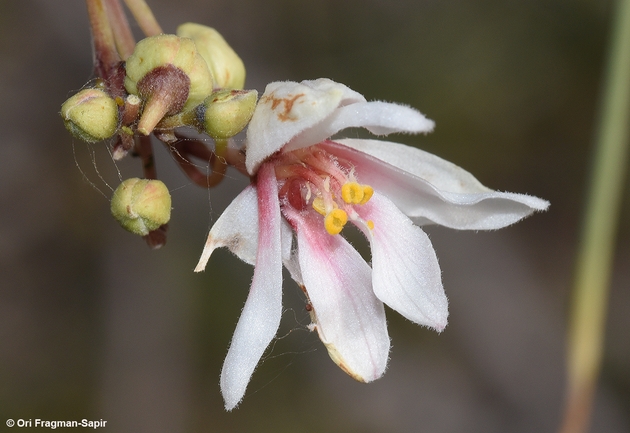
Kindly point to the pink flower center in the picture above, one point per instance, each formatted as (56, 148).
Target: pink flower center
(314, 179)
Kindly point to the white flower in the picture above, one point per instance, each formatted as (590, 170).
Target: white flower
(307, 186)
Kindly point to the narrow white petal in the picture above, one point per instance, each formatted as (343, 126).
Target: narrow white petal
(293, 266)
(380, 118)
(236, 229)
(260, 318)
(429, 189)
(350, 320)
(405, 271)
(442, 174)
(288, 108)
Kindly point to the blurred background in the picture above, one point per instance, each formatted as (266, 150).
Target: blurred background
(93, 324)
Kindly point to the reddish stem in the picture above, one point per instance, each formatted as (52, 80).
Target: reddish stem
(183, 150)
(145, 151)
(156, 238)
(106, 58)
(123, 36)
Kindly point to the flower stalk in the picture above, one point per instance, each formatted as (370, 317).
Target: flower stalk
(123, 37)
(595, 257)
(106, 57)
(144, 16)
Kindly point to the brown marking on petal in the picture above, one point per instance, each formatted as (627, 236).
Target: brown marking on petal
(232, 243)
(287, 102)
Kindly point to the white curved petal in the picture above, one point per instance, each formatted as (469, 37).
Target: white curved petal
(260, 318)
(429, 189)
(442, 174)
(380, 118)
(405, 271)
(350, 320)
(237, 229)
(288, 108)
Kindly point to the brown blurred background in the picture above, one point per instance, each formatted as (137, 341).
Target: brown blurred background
(95, 325)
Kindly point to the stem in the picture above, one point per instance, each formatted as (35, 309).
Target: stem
(143, 15)
(106, 58)
(123, 36)
(145, 151)
(594, 261)
(156, 238)
(183, 150)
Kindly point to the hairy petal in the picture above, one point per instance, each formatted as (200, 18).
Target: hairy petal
(288, 108)
(260, 318)
(350, 320)
(429, 189)
(379, 118)
(406, 275)
(236, 229)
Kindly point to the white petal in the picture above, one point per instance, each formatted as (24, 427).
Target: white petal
(350, 320)
(379, 118)
(405, 272)
(260, 318)
(293, 266)
(429, 189)
(288, 108)
(236, 229)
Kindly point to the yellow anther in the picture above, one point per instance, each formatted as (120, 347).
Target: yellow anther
(319, 205)
(368, 191)
(335, 220)
(352, 193)
(370, 224)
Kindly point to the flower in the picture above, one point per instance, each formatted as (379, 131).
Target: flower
(307, 186)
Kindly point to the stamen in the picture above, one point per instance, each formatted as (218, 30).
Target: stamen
(368, 191)
(319, 205)
(352, 193)
(335, 220)
(327, 184)
(370, 224)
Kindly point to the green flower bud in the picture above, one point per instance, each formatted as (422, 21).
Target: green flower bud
(91, 115)
(226, 66)
(168, 73)
(141, 205)
(225, 113)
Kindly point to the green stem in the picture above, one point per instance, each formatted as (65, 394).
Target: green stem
(145, 18)
(595, 257)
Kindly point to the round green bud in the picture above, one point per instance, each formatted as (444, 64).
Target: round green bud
(164, 50)
(141, 205)
(226, 66)
(168, 73)
(91, 115)
(225, 113)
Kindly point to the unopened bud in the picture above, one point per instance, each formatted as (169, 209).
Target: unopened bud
(168, 73)
(91, 115)
(226, 66)
(141, 205)
(226, 112)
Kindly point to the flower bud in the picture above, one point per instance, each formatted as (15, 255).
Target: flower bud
(225, 113)
(168, 73)
(91, 115)
(226, 66)
(141, 205)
